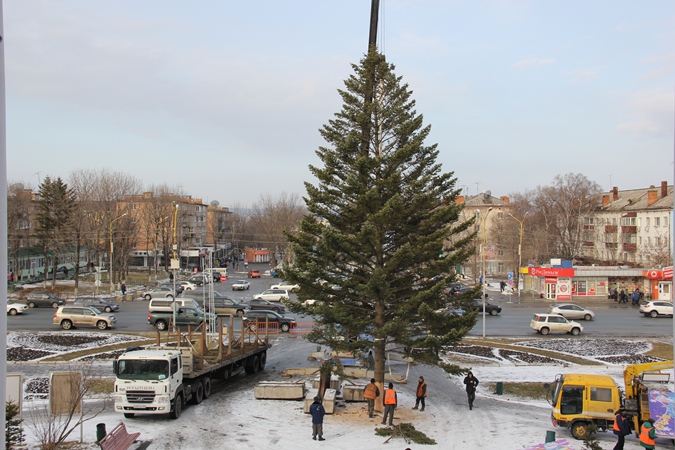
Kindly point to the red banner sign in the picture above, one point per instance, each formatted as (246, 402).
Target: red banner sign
(654, 274)
(550, 272)
(668, 272)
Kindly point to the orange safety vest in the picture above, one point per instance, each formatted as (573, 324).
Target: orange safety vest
(645, 437)
(420, 391)
(616, 424)
(390, 397)
(370, 392)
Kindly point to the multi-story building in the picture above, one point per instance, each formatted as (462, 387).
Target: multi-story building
(632, 227)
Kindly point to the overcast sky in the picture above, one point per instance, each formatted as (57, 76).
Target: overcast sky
(225, 98)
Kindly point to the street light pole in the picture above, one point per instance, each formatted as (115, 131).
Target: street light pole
(483, 243)
(520, 247)
(110, 275)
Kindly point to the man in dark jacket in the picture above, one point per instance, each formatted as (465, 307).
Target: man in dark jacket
(317, 412)
(471, 383)
(621, 428)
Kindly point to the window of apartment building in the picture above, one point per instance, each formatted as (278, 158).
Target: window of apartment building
(647, 222)
(613, 220)
(657, 221)
(500, 215)
(649, 240)
(500, 252)
(629, 238)
(500, 268)
(588, 221)
(640, 240)
(657, 241)
(132, 206)
(665, 221)
(629, 221)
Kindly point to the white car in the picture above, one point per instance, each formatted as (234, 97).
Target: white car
(656, 308)
(554, 323)
(16, 308)
(570, 311)
(287, 286)
(273, 295)
(241, 285)
(188, 285)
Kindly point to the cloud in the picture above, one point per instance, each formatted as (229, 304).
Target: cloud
(650, 114)
(585, 76)
(533, 62)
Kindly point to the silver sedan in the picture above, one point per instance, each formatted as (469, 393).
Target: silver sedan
(571, 311)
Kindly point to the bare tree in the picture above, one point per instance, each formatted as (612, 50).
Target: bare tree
(271, 217)
(657, 253)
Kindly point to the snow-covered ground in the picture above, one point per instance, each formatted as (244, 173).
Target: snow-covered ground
(233, 419)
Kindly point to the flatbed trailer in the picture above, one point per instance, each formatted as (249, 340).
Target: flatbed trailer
(161, 378)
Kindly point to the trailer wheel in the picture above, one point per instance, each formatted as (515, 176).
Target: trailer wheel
(198, 396)
(129, 415)
(207, 386)
(177, 407)
(251, 365)
(580, 430)
(225, 374)
(262, 361)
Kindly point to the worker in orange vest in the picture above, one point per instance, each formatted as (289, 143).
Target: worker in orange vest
(390, 401)
(648, 434)
(421, 393)
(621, 428)
(370, 393)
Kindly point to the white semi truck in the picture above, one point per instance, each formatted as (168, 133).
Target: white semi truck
(161, 378)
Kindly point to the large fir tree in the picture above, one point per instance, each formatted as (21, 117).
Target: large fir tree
(55, 208)
(382, 237)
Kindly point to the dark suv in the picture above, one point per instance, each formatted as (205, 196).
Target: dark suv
(493, 310)
(285, 323)
(43, 298)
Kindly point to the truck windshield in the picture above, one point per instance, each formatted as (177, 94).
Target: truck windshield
(554, 390)
(142, 369)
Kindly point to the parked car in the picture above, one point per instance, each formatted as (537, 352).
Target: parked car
(159, 291)
(254, 274)
(284, 285)
(16, 308)
(273, 295)
(265, 305)
(453, 288)
(98, 303)
(493, 310)
(554, 323)
(570, 311)
(83, 316)
(200, 294)
(241, 285)
(656, 308)
(43, 298)
(185, 315)
(285, 323)
(167, 305)
(226, 306)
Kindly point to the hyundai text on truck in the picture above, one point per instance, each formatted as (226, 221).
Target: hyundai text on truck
(162, 378)
(582, 400)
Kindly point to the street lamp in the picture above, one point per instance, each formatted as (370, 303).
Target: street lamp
(157, 224)
(483, 243)
(111, 249)
(520, 247)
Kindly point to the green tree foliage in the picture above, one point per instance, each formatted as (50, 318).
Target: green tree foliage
(13, 430)
(55, 208)
(380, 216)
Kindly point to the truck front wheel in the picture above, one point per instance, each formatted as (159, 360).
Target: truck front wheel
(580, 430)
(177, 407)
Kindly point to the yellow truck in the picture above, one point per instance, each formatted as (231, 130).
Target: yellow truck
(581, 400)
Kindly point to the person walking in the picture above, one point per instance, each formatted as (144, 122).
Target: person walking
(317, 411)
(124, 289)
(471, 383)
(421, 393)
(390, 401)
(621, 428)
(636, 297)
(370, 393)
(648, 434)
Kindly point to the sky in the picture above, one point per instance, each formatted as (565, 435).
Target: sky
(225, 100)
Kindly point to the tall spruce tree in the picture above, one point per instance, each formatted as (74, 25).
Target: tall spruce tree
(382, 237)
(54, 213)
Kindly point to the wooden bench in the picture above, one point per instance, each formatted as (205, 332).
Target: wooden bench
(118, 438)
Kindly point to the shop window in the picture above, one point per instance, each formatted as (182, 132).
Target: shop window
(581, 287)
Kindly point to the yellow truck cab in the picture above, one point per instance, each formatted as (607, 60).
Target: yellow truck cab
(579, 400)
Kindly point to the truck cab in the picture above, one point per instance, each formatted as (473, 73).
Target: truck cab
(148, 381)
(579, 400)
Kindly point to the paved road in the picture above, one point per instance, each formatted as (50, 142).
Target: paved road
(611, 319)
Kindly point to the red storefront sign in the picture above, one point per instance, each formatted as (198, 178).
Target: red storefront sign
(668, 272)
(653, 274)
(550, 272)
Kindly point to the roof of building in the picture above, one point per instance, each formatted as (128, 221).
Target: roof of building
(633, 200)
